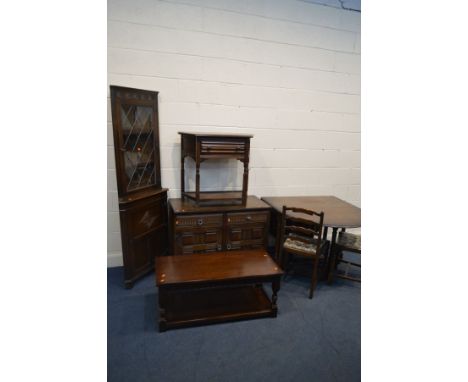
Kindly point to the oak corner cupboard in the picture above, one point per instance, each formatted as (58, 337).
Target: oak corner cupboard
(142, 201)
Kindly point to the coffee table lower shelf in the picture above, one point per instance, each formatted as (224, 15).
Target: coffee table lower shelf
(189, 307)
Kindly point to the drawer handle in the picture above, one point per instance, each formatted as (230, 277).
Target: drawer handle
(249, 217)
(219, 247)
(228, 246)
(200, 221)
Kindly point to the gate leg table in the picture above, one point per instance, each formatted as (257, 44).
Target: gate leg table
(338, 214)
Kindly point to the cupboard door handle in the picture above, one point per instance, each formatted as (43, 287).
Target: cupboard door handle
(228, 246)
(200, 221)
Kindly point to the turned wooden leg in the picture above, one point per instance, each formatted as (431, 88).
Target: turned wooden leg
(182, 176)
(197, 182)
(275, 286)
(277, 239)
(245, 182)
(162, 311)
(325, 233)
(331, 268)
(332, 257)
(313, 281)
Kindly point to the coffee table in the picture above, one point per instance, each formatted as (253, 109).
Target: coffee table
(208, 288)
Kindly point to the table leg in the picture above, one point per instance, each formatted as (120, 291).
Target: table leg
(162, 310)
(197, 182)
(277, 239)
(182, 168)
(325, 233)
(245, 180)
(331, 256)
(275, 286)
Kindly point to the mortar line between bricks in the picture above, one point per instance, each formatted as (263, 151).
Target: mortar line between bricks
(292, 149)
(286, 168)
(256, 107)
(271, 18)
(262, 107)
(261, 128)
(234, 83)
(272, 149)
(241, 37)
(279, 66)
(197, 125)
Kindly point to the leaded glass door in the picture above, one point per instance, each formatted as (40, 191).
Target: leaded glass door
(135, 120)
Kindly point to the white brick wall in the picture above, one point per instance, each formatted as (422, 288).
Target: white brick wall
(286, 71)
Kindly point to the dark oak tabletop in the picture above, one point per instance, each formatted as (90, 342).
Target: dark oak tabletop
(338, 213)
(213, 135)
(228, 265)
(181, 206)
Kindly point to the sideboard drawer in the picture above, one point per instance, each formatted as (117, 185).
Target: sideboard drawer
(198, 240)
(247, 217)
(224, 147)
(193, 221)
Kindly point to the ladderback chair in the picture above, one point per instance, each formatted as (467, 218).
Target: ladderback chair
(301, 235)
(345, 242)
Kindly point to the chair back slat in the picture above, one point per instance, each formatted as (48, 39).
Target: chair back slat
(301, 225)
(300, 231)
(311, 225)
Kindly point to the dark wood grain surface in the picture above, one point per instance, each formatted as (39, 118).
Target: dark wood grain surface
(141, 194)
(201, 147)
(230, 265)
(142, 201)
(181, 206)
(228, 135)
(338, 213)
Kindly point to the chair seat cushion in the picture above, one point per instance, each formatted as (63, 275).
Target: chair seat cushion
(297, 245)
(349, 240)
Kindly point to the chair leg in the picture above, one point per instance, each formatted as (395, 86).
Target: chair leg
(332, 266)
(284, 263)
(314, 279)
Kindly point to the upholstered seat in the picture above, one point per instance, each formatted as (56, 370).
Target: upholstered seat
(308, 248)
(345, 242)
(349, 240)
